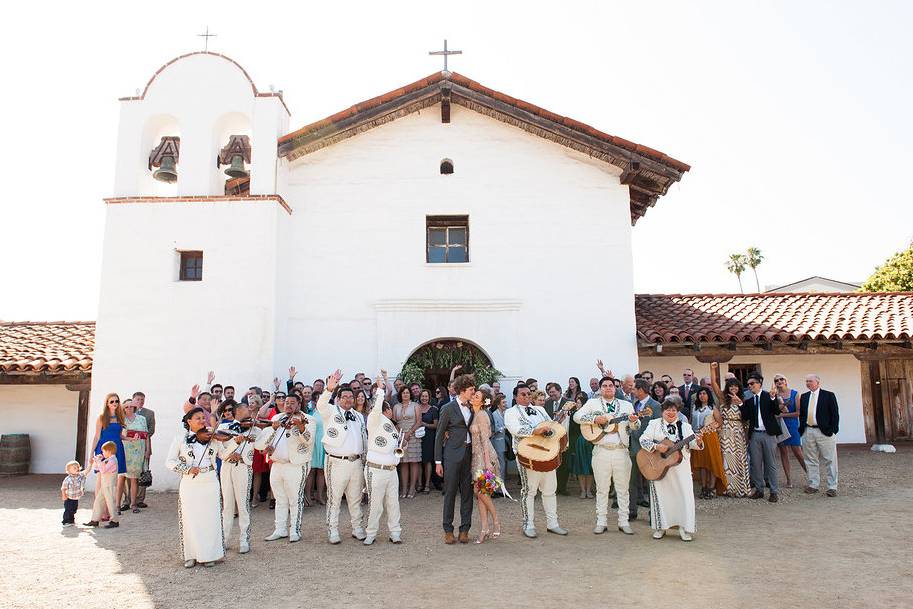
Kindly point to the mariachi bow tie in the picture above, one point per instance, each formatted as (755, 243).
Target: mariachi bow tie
(350, 416)
(530, 411)
(671, 429)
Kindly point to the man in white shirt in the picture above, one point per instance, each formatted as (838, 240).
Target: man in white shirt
(524, 420)
(344, 439)
(381, 478)
(611, 460)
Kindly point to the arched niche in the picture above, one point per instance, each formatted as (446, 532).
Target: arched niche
(155, 128)
(228, 124)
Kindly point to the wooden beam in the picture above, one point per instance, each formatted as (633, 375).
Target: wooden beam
(445, 101)
(42, 378)
(79, 386)
(710, 358)
(696, 347)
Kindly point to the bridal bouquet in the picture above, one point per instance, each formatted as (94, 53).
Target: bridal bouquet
(486, 482)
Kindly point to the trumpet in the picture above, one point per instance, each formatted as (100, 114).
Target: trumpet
(398, 451)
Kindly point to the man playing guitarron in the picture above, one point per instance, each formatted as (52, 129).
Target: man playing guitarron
(610, 452)
(524, 420)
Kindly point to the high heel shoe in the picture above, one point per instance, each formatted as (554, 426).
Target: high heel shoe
(483, 535)
(497, 532)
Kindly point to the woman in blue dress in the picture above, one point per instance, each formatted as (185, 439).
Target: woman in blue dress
(791, 419)
(108, 428)
(318, 456)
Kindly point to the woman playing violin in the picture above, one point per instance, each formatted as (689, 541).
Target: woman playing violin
(192, 455)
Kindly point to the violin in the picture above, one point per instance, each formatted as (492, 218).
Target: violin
(205, 435)
(246, 423)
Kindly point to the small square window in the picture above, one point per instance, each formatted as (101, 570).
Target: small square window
(191, 266)
(447, 239)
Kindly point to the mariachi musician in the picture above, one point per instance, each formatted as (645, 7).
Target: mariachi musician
(287, 444)
(523, 420)
(381, 480)
(193, 456)
(237, 473)
(610, 453)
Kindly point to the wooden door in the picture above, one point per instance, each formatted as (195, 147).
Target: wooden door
(897, 397)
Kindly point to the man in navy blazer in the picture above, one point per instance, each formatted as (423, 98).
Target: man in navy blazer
(819, 422)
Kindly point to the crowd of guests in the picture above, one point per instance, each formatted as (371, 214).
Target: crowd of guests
(307, 438)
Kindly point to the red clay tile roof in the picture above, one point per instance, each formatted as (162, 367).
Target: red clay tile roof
(50, 347)
(785, 317)
(459, 79)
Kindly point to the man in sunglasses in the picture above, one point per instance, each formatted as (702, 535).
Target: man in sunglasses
(760, 410)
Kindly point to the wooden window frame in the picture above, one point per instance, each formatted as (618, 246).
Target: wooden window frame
(743, 371)
(447, 223)
(182, 269)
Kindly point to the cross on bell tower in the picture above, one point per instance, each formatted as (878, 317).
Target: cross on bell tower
(445, 53)
(206, 36)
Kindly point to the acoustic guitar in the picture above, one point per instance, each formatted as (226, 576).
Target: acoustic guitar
(654, 465)
(594, 433)
(542, 453)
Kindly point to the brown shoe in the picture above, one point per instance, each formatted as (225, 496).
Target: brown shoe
(831, 492)
(773, 498)
(448, 538)
(810, 490)
(464, 536)
(756, 495)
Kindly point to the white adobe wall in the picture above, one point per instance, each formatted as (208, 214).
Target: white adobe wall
(839, 373)
(160, 335)
(48, 414)
(546, 225)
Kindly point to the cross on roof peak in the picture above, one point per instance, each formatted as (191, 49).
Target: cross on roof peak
(445, 53)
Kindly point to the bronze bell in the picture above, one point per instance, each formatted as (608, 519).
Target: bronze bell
(236, 169)
(167, 172)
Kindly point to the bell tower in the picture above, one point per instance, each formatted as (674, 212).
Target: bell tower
(192, 238)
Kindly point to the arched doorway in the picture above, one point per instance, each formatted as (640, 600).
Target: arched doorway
(431, 363)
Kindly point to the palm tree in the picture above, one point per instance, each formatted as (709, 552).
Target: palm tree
(736, 264)
(754, 260)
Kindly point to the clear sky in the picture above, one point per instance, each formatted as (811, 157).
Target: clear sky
(795, 116)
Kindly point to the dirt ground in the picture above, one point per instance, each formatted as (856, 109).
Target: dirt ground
(807, 551)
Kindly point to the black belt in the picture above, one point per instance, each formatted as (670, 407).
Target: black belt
(813, 426)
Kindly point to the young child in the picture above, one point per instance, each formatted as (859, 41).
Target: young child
(73, 487)
(105, 466)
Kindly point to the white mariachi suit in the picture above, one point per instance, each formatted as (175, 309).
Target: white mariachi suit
(521, 424)
(344, 440)
(199, 501)
(380, 470)
(672, 497)
(236, 480)
(291, 462)
(611, 458)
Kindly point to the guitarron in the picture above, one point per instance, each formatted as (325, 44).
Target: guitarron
(543, 453)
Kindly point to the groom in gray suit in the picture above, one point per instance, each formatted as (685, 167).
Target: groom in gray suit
(453, 457)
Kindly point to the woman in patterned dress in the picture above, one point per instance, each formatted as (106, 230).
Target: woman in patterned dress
(483, 458)
(732, 435)
(136, 439)
(408, 419)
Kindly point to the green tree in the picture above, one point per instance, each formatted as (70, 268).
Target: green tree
(754, 258)
(736, 265)
(895, 275)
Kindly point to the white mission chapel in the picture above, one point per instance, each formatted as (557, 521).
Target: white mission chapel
(412, 218)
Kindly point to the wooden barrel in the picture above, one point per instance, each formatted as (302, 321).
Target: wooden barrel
(15, 454)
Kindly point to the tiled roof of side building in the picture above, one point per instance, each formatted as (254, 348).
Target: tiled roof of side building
(772, 317)
(49, 347)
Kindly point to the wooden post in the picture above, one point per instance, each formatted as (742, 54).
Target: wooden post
(82, 418)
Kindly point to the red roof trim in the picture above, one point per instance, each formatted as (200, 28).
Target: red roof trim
(237, 65)
(464, 81)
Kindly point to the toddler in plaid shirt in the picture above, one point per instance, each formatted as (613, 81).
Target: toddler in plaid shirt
(73, 487)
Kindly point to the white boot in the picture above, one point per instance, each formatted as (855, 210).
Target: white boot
(275, 535)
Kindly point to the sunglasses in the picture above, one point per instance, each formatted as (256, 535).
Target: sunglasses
(114, 401)
(752, 382)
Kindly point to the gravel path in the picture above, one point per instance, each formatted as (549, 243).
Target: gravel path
(807, 551)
